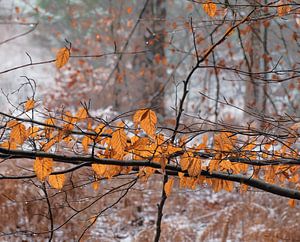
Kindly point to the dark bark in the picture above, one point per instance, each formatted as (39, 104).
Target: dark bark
(171, 170)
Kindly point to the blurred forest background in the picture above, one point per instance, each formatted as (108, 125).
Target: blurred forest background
(146, 49)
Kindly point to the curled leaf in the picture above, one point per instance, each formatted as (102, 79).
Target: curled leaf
(168, 186)
(29, 105)
(62, 57)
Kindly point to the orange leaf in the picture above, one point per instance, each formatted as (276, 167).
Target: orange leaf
(138, 116)
(195, 167)
(8, 145)
(210, 8)
(95, 185)
(50, 121)
(119, 141)
(180, 175)
(57, 181)
(17, 9)
(214, 165)
(32, 131)
(168, 186)
(48, 145)
(12, 123)
(185, 161)
(295, 126)
(85, 143)
(62, 57)
(99, 169)
(129, 10)
(68, 118)
(43, 167)
(226, 164)
(146, 172)
(292, 203)
(93, 219)
(99, 129)
(18, 134)
(283, 9)
(216, 185)
(48, 131)
(204, 139)
(29, 105)
(173, 149)
(148, 122)
(112, 171)
(81, 113)
(228, 186)
(163, 162)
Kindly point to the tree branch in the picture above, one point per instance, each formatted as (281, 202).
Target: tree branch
(170, 170)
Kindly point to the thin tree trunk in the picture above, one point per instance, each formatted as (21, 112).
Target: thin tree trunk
(254, 89)
(150, 67)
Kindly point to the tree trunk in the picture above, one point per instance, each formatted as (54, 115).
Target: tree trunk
(149, 67)
(254, 89)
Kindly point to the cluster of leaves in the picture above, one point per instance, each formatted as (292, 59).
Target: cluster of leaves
(117, 147)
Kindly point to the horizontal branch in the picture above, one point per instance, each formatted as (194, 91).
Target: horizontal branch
(170, 169)
(72, 56)
(267, 187)
(204, 155)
